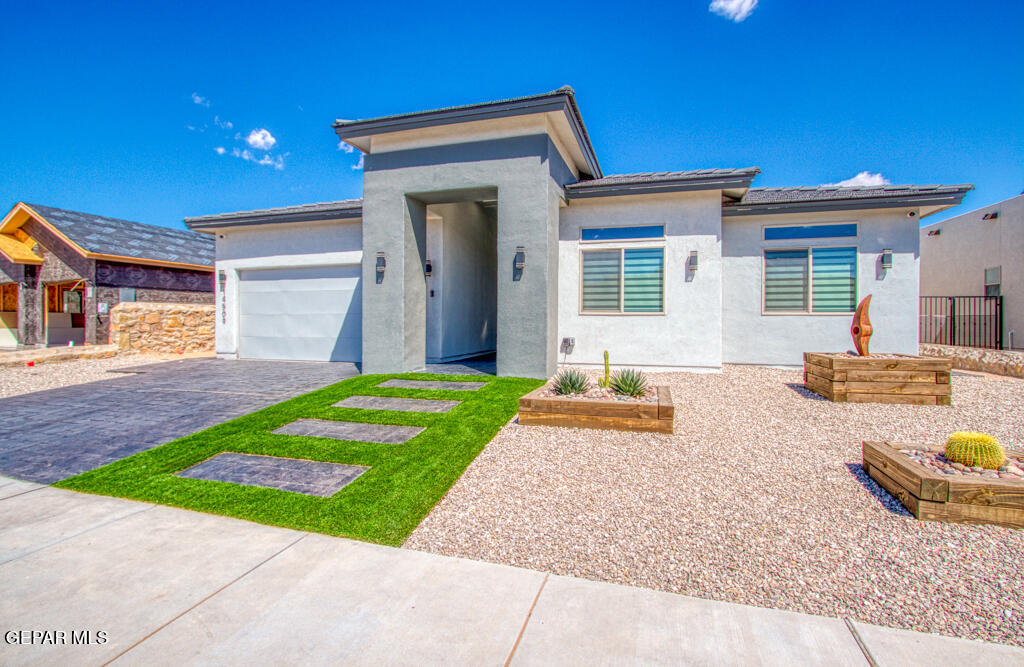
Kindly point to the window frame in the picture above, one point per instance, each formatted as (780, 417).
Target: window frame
(648, 239)
(986, 284)
(810, 281)
(607, 246)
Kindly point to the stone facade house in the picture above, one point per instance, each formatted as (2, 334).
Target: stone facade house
(61, 272)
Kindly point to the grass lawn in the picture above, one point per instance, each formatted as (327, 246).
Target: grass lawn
(383, 505)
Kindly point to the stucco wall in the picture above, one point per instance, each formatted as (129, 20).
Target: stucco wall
(689, 334)
(462, 311)
(750, 337)
(330, 243)
(162, 327)
(953, 263)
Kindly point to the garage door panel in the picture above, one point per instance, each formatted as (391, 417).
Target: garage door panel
(309, 313)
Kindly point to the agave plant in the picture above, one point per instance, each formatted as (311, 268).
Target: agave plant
(629, 382)
(570, 381)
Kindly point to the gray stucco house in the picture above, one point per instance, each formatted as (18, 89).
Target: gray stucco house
(492, 228)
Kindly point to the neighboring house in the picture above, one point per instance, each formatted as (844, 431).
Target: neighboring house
(61, 272)
(491, 227)
(980, 253)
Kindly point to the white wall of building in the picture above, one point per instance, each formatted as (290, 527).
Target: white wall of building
(953, 262)
(689, 334)
(752, 337)
(276, 246)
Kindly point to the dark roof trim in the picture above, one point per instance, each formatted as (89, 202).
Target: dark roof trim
(347, 209)
(944, 199)
(563, 100)
(652, 183)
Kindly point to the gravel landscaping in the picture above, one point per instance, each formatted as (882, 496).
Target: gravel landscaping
(759, 498)
(16, 380)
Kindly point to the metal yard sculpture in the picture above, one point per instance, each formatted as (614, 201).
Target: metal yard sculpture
(861, 329)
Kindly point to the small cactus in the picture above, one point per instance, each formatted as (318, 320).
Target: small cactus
(606, 381)
(629, 382)
(975, 449)
(570, 381)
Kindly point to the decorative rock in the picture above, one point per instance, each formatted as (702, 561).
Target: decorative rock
(163, 327)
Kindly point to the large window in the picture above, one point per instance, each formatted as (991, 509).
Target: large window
(810, 280)
(819, 231)
(623, 280)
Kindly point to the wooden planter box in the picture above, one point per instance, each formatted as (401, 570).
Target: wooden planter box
(932, 496)
(658, 417)
(883, 379)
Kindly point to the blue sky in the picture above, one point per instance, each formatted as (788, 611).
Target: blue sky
(119, 108)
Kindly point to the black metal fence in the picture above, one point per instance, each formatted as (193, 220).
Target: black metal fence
(971, 321)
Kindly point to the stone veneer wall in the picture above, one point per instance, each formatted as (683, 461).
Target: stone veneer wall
(163, 327)
(1000, 362)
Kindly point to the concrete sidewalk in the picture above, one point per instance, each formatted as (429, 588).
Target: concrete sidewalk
(172, 586)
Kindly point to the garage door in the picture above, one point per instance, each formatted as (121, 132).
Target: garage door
(312, 313)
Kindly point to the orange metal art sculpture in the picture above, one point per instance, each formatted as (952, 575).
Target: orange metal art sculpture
(861, 329)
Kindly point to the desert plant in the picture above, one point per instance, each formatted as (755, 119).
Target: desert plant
(570, 381)
(975, 449)
(629, 382)
(606, 381)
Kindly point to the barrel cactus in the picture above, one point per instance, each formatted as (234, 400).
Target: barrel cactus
(975, 449)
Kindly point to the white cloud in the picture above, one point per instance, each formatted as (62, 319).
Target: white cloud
(347, 148)
(222, 124)
(200, 100)
(220, 150)
(268, 160)
(359, 165)
(261, 139)
(864, 178)
(734, 10)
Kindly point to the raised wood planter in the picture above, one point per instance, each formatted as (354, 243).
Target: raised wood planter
(889, 378)
(655, 417)
(932, 496)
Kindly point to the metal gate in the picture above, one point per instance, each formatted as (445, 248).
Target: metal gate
(971, 321)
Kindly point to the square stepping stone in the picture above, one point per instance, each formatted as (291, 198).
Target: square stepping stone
(313, 478)
(432, 384)
(400, 404)
(387, 434)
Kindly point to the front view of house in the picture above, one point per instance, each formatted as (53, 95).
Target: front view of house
(491, 228)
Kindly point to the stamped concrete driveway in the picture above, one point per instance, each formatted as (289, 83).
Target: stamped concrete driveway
(51, 435)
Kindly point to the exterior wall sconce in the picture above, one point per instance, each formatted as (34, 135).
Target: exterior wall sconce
(994, 215)
(887, 258)
(429, 268)
(382, 262)
(693, 261)
(518, 263)
(935, 232)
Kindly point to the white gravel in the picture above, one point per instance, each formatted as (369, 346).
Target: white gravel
(15, 380)
(759, 498)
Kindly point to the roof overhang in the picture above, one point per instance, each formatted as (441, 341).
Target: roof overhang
(733, 185)
(22, 213)
(560, 103)
(350, 209)
(928, 203)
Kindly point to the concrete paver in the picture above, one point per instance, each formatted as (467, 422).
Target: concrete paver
(169, 586)
(432, 384)
(316, 478)
(400, 404)
(388, 434)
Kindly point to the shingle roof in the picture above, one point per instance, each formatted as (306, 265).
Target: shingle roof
(668, 176)
(110, 236)
(346, 208)
(837, 192)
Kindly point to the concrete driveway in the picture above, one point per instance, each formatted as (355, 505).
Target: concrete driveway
(51, 435)
(148, 584)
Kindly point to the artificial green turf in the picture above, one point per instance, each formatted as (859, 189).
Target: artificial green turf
(383, 505)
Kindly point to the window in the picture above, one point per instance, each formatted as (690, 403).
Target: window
(791, 232)
(623, 280)
(993, 280)
(644, 233)
(810, 280)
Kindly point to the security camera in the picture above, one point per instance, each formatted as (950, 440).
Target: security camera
(912, 214)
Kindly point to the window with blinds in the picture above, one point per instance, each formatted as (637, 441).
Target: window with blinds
(623, 280)
(810, 280)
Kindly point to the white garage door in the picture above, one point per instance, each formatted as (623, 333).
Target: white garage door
(312, 313)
